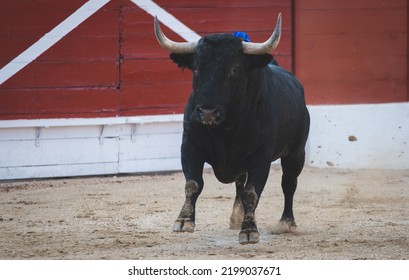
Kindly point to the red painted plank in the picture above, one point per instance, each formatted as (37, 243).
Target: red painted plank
(356, 45)
(355, 92)
(30, 5)
(347, 4)
(152, 71)
(222, 3)
(163, 97)
(352, 21)
(353, 69)
(60, 75)
(51, 103)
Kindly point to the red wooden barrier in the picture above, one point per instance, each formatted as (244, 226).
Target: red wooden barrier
(111, 65)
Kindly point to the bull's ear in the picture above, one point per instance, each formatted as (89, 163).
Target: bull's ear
(183, 60)
(261, 60)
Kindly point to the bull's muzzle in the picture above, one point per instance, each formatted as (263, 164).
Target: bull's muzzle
(209, 115)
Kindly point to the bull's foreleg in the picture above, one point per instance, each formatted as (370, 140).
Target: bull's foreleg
(292, 166)
(186, 219)
(237, 214)
(250, 196)
(193, 170)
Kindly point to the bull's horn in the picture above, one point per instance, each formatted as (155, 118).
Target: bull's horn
(267, 46)
(171, 46)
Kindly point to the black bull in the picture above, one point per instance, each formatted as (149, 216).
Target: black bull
(244, 113)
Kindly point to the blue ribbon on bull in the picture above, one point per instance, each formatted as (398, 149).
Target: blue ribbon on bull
(242, 35)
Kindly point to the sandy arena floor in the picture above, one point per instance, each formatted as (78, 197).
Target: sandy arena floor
(341, 214)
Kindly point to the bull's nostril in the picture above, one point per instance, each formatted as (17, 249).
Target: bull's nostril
(208, 115)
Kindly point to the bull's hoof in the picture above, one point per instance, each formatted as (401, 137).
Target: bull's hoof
(288, 225)
(184, 225)
(249, 237)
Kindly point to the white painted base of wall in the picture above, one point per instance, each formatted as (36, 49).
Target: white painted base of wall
(342, 136)
(75, 147)
(359, 136)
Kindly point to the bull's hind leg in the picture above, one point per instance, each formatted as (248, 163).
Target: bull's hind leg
(292, 166)
(237, 214)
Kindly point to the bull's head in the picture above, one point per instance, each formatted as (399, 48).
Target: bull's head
(224, 71)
